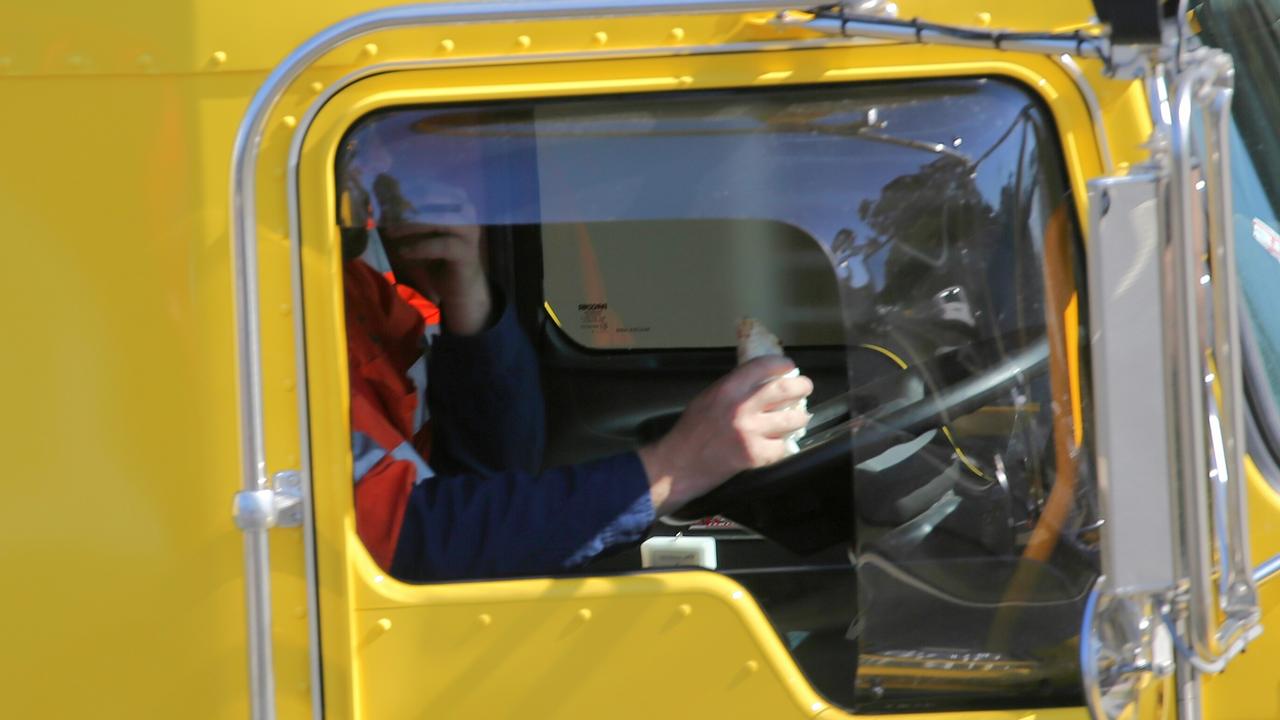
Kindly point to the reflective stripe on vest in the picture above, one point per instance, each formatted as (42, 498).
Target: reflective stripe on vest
(366, 454)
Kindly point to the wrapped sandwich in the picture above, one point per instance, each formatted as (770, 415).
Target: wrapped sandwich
(755, 340)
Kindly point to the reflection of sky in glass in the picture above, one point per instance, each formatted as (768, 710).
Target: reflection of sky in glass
(1259, 270)
(932, 165)
(795, 156)
(800, 161)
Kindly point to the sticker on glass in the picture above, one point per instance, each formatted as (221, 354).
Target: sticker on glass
(1267, 237)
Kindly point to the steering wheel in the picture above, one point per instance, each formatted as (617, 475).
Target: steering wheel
(829, 453)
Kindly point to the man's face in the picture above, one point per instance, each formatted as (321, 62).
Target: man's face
(425, 225)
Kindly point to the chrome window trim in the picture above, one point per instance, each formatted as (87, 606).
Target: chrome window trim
(1072, 68)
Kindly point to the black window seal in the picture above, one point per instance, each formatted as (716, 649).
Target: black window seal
(1263, 426)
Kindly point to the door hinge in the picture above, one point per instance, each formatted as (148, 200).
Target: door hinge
(277, 506)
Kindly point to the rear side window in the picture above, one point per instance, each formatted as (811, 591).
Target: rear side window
(1248, 30)
(914, 248)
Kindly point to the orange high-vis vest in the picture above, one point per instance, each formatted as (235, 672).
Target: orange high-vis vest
(387, 326)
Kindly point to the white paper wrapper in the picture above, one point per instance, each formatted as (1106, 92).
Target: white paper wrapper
(755, 340)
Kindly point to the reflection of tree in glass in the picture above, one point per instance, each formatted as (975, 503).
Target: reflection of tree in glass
(922, 219)
(914, 211)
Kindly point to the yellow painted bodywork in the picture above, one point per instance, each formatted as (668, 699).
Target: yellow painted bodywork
(1249, 688)
(121, 431)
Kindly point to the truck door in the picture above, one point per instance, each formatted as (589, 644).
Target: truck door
(907, 219)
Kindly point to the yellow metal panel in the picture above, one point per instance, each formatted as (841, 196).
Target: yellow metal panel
(1249, 689)
(121, 427)
(123, 594)
(689, 644)
(229, 36)
(480, 649)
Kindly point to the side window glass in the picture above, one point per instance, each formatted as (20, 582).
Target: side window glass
(912, 246)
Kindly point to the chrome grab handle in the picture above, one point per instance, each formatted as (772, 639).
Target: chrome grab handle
(1241, 597)
(1236, 588)
(1219, 484)
(1220, 502)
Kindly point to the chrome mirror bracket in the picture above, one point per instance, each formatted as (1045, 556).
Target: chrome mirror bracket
(1124, 646)
(1124, 649)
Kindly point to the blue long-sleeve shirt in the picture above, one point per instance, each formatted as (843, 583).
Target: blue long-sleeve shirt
(487, 511)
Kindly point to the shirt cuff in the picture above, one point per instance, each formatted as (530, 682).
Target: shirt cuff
(627, 473)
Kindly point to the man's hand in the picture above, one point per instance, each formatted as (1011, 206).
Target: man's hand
(434, 246)
(738, 423)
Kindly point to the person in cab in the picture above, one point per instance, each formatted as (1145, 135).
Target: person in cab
(447, 412)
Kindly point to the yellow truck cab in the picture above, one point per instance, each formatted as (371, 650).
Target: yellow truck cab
(1029, 254)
